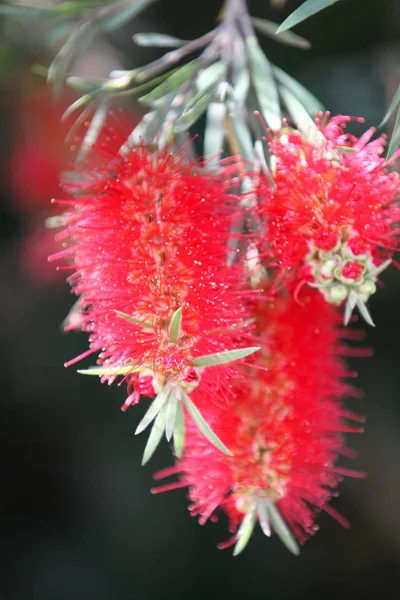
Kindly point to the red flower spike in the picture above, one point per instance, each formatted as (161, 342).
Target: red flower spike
(283, 423)
(333, 200)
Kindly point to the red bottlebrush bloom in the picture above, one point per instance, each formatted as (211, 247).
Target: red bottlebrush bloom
(148, 233)
(333, 204)
(284, 427)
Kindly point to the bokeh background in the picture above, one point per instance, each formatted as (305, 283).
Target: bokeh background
(77, 520)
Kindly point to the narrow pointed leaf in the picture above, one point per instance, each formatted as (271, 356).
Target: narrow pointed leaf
(392, 108)
(155, 436)
(378, 270)
(240, 130)
(263, 516)
(126, 14)
(203, 425)
(220, 358)
(364, 312)
(214, 132)
(306, 10)
(174, 81)
(281, 529)
(259, 152)
(289, 38)
(350, 304)
(158, 40)
(395, 139)
(298, 113)
(94, 128)
(264, 83)
(170, 414)
(144, 324)
(191, 116)
(179, 431)
(100, 371)
(175, 326)
(308, 100)
(154, 409)
(245, 530)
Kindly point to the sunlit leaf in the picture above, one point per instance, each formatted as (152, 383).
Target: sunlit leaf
(220, 358)
(245, 531)
(155, 436)
(179, 431)
(289, 38)
(281, 529)
(174, 81)
(264, 83)
(191, 116)
(306, 10)
(158, 40)
(154, 409)
(203, 425)
(262, 511)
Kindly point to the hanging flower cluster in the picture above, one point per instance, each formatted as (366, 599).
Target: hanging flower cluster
(226, 326)
(332, 212)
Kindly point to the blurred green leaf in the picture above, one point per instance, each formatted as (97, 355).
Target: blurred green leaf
(395, 139)
(174, 81)
(179, 431)
(220, 358)
(100, 371)
(281, 529)
(308, 100)
(170, 414)
(298, 113)
(155, 436)
(124, 14)
(175, 326)
(214, 132)
(154, 409)
(203, 425)
(245, 531)
(144, 324)
(392, 108)
(241, 131)
(264, 83)
(195, 112)
(95, 127)
(158, 40)
(289, 38)
(306, 10)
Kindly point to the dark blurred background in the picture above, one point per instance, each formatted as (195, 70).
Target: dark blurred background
(77, 520)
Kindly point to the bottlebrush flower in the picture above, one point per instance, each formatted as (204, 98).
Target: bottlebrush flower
(284, 427)
(332, 215)
(148, 233)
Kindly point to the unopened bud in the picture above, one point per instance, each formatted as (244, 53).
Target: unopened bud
(337, 294)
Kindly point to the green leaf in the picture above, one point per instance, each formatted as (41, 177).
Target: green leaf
(264, 83)
(202, 424)
(175, 326)
(155, 436)
(306, 10)
(214, 132)
(308, 100)
(170, 417)
(191, 116)
(95, 127)
(281, 529)
(174, 81)
(289, 38)
(144, 324)
(262, 511)
(245, 531)
(100, 371)
(259, 152)
(82, 101)
(79, 40)
(241, 78)
(241, 131)
(364, 312)
(154, 409)
(210, 76)
(298, 113)
(179, 431)
(21, 11)
(158, 40)
(126, 14)
(395, 139)
(392, 108)
(221, 358)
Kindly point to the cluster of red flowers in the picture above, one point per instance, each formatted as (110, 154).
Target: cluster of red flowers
(255, 365)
